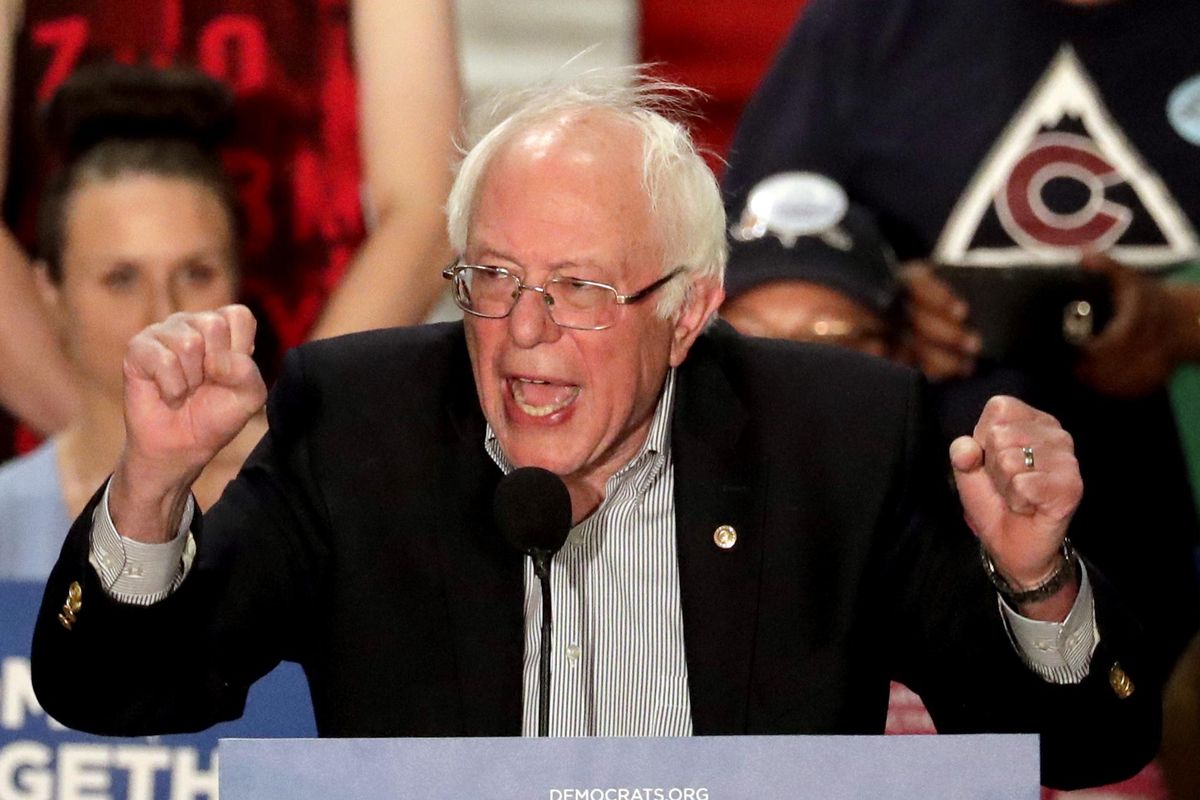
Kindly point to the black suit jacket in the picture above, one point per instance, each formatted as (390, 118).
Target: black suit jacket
(358, 541)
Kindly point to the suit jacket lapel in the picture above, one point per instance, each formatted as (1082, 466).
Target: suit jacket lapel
(715, 485)
(484, 577)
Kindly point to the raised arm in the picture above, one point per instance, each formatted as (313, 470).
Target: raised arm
(190, 387)
(408, 107)
(35, 381)
(1019, 484)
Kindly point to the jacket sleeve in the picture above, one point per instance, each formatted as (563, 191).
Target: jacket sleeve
(186, 662)
(952, 648)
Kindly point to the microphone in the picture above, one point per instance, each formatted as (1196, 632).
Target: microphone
(532, 508)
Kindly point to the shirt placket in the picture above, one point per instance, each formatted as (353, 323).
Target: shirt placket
(570, 671)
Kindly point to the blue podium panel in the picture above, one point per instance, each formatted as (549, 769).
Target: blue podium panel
(991, 767)
(42, 760)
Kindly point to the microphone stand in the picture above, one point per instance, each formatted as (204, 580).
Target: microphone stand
(541, 567)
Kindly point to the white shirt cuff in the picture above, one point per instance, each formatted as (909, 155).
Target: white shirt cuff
(136, 572)
(1060, 652)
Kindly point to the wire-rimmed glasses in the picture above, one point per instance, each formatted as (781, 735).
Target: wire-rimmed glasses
(493, 292)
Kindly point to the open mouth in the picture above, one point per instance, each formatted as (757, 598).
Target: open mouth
(539, 398)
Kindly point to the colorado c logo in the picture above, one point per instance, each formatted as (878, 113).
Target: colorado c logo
(1022, 205)
(1063, 177)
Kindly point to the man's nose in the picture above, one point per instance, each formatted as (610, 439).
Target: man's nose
(530, 324)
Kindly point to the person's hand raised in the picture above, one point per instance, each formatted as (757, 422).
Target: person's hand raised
(807, 312)
(190, 387)
(1019, 484)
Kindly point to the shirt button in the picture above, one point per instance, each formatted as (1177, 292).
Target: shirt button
(573, 653)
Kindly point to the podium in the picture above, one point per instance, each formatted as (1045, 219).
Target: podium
(991, 767)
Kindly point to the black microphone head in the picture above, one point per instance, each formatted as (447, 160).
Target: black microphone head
(532, 508)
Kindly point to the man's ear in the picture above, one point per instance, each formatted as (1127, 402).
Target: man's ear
(703, 300)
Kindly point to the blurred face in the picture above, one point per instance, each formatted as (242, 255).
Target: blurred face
(565, 199)
(136, 249)
(807, 312)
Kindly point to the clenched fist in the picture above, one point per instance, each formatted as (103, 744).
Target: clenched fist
(1019, 484)
(190, 387)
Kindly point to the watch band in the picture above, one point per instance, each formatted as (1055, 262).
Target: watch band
(1065, 571)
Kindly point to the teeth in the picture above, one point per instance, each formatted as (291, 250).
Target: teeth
(542, 410)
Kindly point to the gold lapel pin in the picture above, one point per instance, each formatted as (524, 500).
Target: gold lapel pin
(725, 536)
(1119, 680)
(71, 608)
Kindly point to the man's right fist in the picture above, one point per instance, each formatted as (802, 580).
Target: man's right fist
(190, 386)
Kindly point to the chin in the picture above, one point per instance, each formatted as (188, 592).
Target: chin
(544, 454)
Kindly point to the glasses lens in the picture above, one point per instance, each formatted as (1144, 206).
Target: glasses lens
(581, 304)
(485, 291)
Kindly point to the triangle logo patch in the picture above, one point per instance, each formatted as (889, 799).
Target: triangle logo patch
(1062, 179)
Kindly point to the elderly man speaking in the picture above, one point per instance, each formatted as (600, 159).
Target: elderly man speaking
(761, 538)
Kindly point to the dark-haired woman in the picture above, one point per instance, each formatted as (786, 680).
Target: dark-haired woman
(132, 231)
(337, 102)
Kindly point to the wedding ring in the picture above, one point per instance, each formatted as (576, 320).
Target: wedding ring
(1027, 451)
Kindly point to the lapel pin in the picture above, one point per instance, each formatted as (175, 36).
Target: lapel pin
(725, 537)
(1120, 682)
(72, 606)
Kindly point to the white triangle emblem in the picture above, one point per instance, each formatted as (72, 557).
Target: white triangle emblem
(1062, 179)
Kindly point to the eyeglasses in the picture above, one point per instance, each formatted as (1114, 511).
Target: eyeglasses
(493, 292)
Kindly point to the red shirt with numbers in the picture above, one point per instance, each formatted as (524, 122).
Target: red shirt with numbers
(294, 151)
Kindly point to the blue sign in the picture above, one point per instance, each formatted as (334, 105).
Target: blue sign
(41, 760)
(995, 767)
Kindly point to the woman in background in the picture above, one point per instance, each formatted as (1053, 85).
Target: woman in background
(138, 224)
(345, 111)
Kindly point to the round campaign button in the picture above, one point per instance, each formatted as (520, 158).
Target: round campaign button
(1183, 109)
(789, 205)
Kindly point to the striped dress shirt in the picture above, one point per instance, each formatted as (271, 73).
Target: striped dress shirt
(617, 659)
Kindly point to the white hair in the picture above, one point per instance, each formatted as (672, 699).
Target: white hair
(684, 199)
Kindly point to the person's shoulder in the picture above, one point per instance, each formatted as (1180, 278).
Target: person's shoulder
(831, 17)
(33, 515)
(371, 378)
(426, 349)
(786, 360)
(865, 36)
(815, 409)
(397, 339)
(776, 378)
(29, 475)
